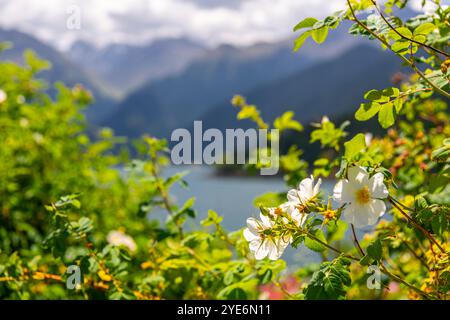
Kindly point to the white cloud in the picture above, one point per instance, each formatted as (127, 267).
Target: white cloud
(212, 22)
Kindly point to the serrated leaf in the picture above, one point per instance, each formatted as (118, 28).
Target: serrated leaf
(375, 251)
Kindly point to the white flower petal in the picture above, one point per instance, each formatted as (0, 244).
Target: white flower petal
(253, 225)
(377, 186)
(288, 207)
(356, 215)
(255, 244)
(317, 187)
(358, 175)
(343, 192)
(306, 188)
(250, 236)
(298, 217)
(292, 195)
(378, 209)
(262, 251)
(274, 252)
(362, 216)
(266, 222)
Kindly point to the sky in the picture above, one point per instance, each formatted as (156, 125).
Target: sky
(210, 22)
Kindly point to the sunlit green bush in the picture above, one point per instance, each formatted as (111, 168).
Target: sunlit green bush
(69, 201)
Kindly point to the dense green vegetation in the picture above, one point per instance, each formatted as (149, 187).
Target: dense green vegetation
(65, 205)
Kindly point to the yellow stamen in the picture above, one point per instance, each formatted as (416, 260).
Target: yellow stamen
(278, 211)
(363, 195)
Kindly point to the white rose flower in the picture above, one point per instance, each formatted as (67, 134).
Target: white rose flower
(262, 244)
(298, 199)
(293, 209)
(306, 191)
(361, 195)
(2, 96)
(118, 238)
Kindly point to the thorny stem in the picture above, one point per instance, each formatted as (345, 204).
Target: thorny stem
(407, 61)
(418, 226)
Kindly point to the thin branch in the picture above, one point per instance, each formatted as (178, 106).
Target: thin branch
(388, 273)
(406, 38)
(328, 246)
(424, 263)
(397, 278)
(407, 61)
(401, 204)
(355, 239)
(417, 225)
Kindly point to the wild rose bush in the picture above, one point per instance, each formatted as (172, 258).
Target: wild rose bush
(64, 203)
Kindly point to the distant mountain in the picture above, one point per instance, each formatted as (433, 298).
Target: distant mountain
(62, 70)
(125, 67)
(334, 88)
(160, 106)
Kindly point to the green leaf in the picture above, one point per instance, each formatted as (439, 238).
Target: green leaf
(375, 251)
(320, 35)
(401, 47)
(336, 231)
(424, 29)
(237, 294)
(354, 146)
(367, 110)
(305, 23)
(270, 199)
(366, 260)
(286, 122)
(442, 153)
(373, 95)
(267, 276)
(386, 116)
(331, 281)
(315, 245)
(298, 43)
(248, 111)
(391, 92)
(399, 32)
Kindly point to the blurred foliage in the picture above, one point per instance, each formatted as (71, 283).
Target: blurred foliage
(67, 200)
